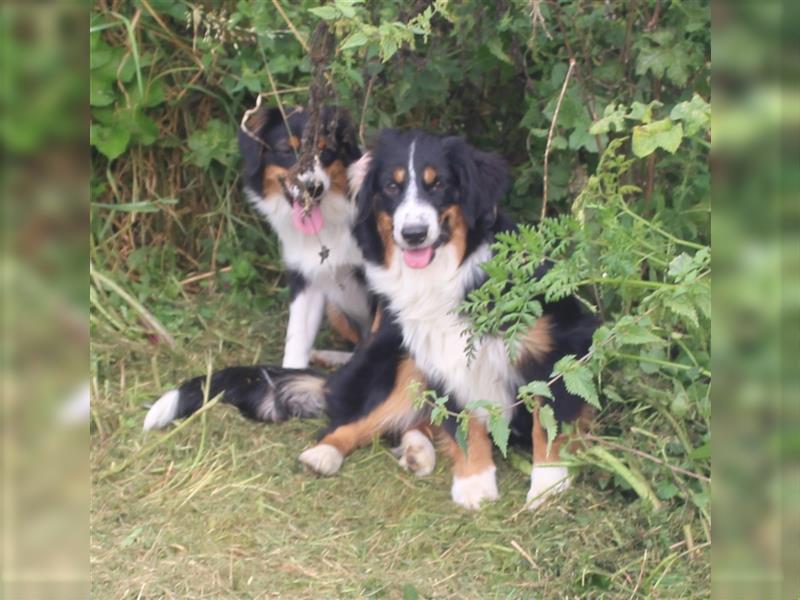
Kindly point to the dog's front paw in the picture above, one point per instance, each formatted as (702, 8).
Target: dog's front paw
(323, 459)
(546, 482)
(416, 453)
(470, 491)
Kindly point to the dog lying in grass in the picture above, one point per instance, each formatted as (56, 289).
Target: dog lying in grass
(427, 217)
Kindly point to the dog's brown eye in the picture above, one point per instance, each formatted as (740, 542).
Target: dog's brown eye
(391, 188)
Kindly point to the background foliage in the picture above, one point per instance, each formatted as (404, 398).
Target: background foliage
(628, 194)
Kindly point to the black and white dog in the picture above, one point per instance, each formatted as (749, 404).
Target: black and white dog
(427, 217)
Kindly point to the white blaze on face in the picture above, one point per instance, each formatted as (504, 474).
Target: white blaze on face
(311, 222)
(316, 175)
(415, 211)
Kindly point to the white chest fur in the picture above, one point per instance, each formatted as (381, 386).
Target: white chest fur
(301, 252)
(334, 276)
(426, 302)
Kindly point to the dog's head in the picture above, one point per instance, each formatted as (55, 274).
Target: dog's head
(419, 192)
(270, 148)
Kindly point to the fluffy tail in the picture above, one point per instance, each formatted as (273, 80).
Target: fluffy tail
(261, 393)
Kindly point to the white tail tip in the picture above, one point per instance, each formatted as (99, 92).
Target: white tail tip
(163, 411)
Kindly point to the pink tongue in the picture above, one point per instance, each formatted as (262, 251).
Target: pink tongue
(310, 223)
(418, 258)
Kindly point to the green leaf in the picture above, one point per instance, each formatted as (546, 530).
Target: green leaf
(326, 13)
(500, 431)
(658, 134)
(495, 46)
(356, 40)
(613, 119)
(100, 93)
(701, 452)
(535, 388)
(614, 465)
(577, 379)
(410, 592)
(144, 129)
(216, 142)
(680, 400)
(666, 490)
(109, 141)
(695, 114)
(681, 266)
(346, 8)
(520, 463)
(682, 307)
(461, 433)
(547, 419)
(581, 137)
(635, 333)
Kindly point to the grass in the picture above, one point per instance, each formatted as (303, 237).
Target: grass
(223, 509)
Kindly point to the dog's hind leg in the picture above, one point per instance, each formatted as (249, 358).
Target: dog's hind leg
(395, 413)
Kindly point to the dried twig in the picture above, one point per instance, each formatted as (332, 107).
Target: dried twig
(524, 554)
(362, 121)
(297, 34)
(537, 20)
(201, 276)
(550, 136)
(639, 578)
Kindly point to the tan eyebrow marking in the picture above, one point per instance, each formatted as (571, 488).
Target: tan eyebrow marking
(294, 142)
(399, 175)
(321, 145)
(429, 175)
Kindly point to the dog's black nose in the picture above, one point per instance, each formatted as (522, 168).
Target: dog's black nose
(314, 189)
(414, 234)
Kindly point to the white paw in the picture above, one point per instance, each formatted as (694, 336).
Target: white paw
(546, 482)
(323, 459)
(163, 411)
(470, 491)
(330, 359)
(417, 453)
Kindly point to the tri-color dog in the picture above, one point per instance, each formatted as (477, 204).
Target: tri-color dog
(333, 280)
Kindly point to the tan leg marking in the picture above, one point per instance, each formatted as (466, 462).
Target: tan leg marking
(341, 324)
(479, 451)
(392, 411)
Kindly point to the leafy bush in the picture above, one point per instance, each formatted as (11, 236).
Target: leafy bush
(627, 199)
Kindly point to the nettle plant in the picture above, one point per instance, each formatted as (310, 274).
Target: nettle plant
(651, 290)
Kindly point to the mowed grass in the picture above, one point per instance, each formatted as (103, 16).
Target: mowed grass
(221, 508)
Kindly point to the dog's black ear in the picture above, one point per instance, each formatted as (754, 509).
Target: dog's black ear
(363, 176)
(346, 136)
(252, 143)
(482, 180)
